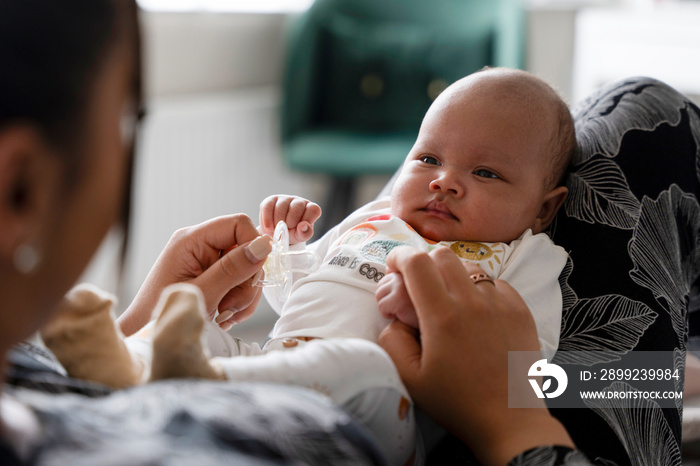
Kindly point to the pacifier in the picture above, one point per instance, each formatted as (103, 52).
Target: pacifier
(281, 263)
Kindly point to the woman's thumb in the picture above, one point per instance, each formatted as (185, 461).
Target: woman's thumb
(400, 342)
(232, 269)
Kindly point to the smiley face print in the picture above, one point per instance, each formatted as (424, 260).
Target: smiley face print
(479, 252)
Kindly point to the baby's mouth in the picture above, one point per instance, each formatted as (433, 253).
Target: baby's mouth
(439, 209)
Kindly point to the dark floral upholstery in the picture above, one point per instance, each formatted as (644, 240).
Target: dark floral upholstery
(631, 224)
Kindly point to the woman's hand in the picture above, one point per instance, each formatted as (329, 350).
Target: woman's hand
(223, 257)
(458, 371)
(298, 213)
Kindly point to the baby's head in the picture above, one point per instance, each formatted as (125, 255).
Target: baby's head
(489, 160)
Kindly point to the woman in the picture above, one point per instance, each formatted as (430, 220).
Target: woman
(70, 96)
(67, 118)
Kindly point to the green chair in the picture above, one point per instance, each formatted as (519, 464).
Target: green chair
(360, 74)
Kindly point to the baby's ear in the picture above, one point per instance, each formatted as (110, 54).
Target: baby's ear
(551, 203)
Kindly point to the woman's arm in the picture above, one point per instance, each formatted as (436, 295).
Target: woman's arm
(458, 372)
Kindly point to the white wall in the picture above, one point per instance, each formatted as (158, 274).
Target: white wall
(550, 46)
(660, 40)
(188, 53)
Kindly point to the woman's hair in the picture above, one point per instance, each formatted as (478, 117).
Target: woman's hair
(50, 54)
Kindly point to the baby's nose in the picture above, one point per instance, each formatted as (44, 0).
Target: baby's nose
(448, 183)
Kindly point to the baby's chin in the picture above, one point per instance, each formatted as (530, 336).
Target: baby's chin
(434, 233)
(432, 229)
(437, 233)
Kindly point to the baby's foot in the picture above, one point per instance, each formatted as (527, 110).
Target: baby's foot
(86, 341)
(177, 343)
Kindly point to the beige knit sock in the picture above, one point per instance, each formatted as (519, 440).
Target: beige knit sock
(177, 342)
(86, 341)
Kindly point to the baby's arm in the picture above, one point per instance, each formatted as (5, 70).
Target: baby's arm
(298, 213)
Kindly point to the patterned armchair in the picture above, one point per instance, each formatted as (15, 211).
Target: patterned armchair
(632, 226)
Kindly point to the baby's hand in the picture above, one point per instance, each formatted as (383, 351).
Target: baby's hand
(298, 213)
(393, 300)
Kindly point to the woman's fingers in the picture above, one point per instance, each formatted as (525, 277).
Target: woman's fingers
(424, 282)
(241, 297)
(234, 316)
(401, 343)
(228, 235)
(193, 255)
(451, 269)
(232, 269)
(222, 233)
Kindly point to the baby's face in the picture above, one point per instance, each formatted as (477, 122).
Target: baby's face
(476, 172)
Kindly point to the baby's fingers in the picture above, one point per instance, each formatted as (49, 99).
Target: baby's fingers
(268, 209)
(305, 228)
(293, 214)
(311, 213)
(300, 220)
(303, 232)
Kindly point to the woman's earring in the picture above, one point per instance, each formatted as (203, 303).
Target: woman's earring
(26, 259)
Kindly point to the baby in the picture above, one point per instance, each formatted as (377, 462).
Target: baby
(483, 179)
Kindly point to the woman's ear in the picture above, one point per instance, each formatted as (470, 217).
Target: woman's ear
(28, 176)
(550, 206)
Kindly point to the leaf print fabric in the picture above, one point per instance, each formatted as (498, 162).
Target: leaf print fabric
(605, 118)
(631, 224)
(665, 259)
(642, 427)
(599, 194)
(605, 324)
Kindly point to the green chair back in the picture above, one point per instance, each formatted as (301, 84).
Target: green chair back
(360, 74)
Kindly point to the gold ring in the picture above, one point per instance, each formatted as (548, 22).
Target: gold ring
(481, 277)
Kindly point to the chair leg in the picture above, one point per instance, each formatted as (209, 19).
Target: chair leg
(339, 203)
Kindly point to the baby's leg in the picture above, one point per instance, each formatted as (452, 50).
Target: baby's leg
(356, 374)
(86, 341)
(178, 351)
(183, 337)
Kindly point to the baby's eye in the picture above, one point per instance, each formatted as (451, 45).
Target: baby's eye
(429, 159)
(486, 174)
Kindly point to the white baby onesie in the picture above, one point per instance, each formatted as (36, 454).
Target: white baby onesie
(338, 299)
